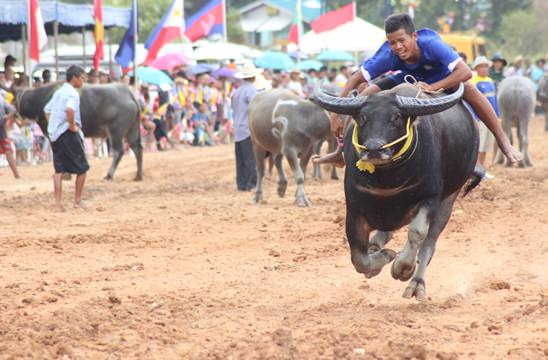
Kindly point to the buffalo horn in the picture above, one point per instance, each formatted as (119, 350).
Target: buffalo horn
(339, 105)
(421, 107)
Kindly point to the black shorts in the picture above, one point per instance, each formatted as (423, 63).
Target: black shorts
(68, 154)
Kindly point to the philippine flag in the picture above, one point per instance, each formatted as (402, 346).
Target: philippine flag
(171, 27)
(206, 22)
(38, 37)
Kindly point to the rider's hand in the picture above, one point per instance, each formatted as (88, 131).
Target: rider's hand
(424, 86)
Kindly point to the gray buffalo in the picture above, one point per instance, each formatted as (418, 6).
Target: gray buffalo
(406, 160)
(543, 97)
(107, 110)
(516, 97)
(282, 124)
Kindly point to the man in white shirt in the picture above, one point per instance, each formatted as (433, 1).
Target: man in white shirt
(64, 129)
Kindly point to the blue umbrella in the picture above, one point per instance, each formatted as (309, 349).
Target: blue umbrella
(333, 55)
(275, 60)
(310, 64)
(202, 68)
(153, 76)
(297, 54)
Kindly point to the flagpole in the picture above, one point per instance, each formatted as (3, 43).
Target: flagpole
(135, 40)
(225, 36)
(29, 70)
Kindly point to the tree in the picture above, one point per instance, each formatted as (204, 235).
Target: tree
(520, 35)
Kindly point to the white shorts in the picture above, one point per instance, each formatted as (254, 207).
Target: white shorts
(487, 139)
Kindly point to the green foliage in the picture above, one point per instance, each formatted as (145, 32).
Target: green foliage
(234, 30)
(519, 34)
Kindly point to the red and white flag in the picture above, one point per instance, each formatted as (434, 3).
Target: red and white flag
(334, 18)
(37, 33)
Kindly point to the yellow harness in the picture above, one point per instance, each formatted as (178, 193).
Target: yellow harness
(370, 167)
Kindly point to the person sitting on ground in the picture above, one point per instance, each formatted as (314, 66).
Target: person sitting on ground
(200, 123)
(436, 67)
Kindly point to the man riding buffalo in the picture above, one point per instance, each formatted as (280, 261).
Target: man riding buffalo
(435, 66)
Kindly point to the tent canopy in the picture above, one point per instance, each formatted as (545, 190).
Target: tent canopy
(71, 17)
(354, 36)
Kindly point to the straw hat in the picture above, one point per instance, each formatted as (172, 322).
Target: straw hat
(248, 71)
(481, 60)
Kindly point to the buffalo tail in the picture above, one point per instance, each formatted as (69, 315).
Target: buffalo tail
(477, 176)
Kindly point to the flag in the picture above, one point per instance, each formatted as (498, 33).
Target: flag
(332, 19)
(99, 33)
(171, 27)
(411, 9)
(126, 49)
(37, 33)
(296, 29)
(208, 21)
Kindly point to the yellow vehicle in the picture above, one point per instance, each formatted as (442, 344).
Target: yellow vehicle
(471, 45)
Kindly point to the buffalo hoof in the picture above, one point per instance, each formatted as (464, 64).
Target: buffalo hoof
(378, 260)
(522, 164)
(303, 201)
(282, 187)
(334, 176)
(138, 178)
(402, 271)
(528, 162)
(417, 289)
(108, 177)
(258, 197)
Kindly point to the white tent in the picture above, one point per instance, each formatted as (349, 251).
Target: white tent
(206, 50)
(355, 36)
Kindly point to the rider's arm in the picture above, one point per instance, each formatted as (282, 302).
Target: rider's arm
(355, 80)
(461, 73)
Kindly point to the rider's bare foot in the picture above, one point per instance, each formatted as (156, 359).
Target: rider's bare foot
(335, 158)
(59, 208)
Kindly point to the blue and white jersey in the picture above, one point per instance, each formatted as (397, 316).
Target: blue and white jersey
(437, 60)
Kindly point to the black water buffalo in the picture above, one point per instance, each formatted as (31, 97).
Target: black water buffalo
(406, 161)
(107, 110)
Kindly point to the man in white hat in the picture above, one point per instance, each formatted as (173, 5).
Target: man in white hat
(246, 174)
(487, 87)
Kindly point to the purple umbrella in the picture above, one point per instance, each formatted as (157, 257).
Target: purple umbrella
(223, 72)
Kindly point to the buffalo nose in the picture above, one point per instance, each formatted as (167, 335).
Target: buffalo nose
(374, 144)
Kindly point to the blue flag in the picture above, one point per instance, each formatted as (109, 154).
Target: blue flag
(126, 49)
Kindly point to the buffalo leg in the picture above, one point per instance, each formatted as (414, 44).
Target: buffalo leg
(316, 168)
(378, 240)
(417, 286)
(523, 124)
(134, 141)
(300, 195)
(545, 106)
(305, 158)
(404, 265)
(282, 179)
(260, 157)
(357, 233)
(117, 153)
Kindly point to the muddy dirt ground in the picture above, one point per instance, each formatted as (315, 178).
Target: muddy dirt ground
(183, 266)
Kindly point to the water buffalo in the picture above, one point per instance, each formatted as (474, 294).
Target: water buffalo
(516, 97)
(406, 160)
(543, 97)
(283, 124)
(107, 110)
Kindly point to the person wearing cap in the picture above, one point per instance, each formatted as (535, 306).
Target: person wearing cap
(294, 85)
(515, 68)
(487, 87)
(496, 71)
(246, 174)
